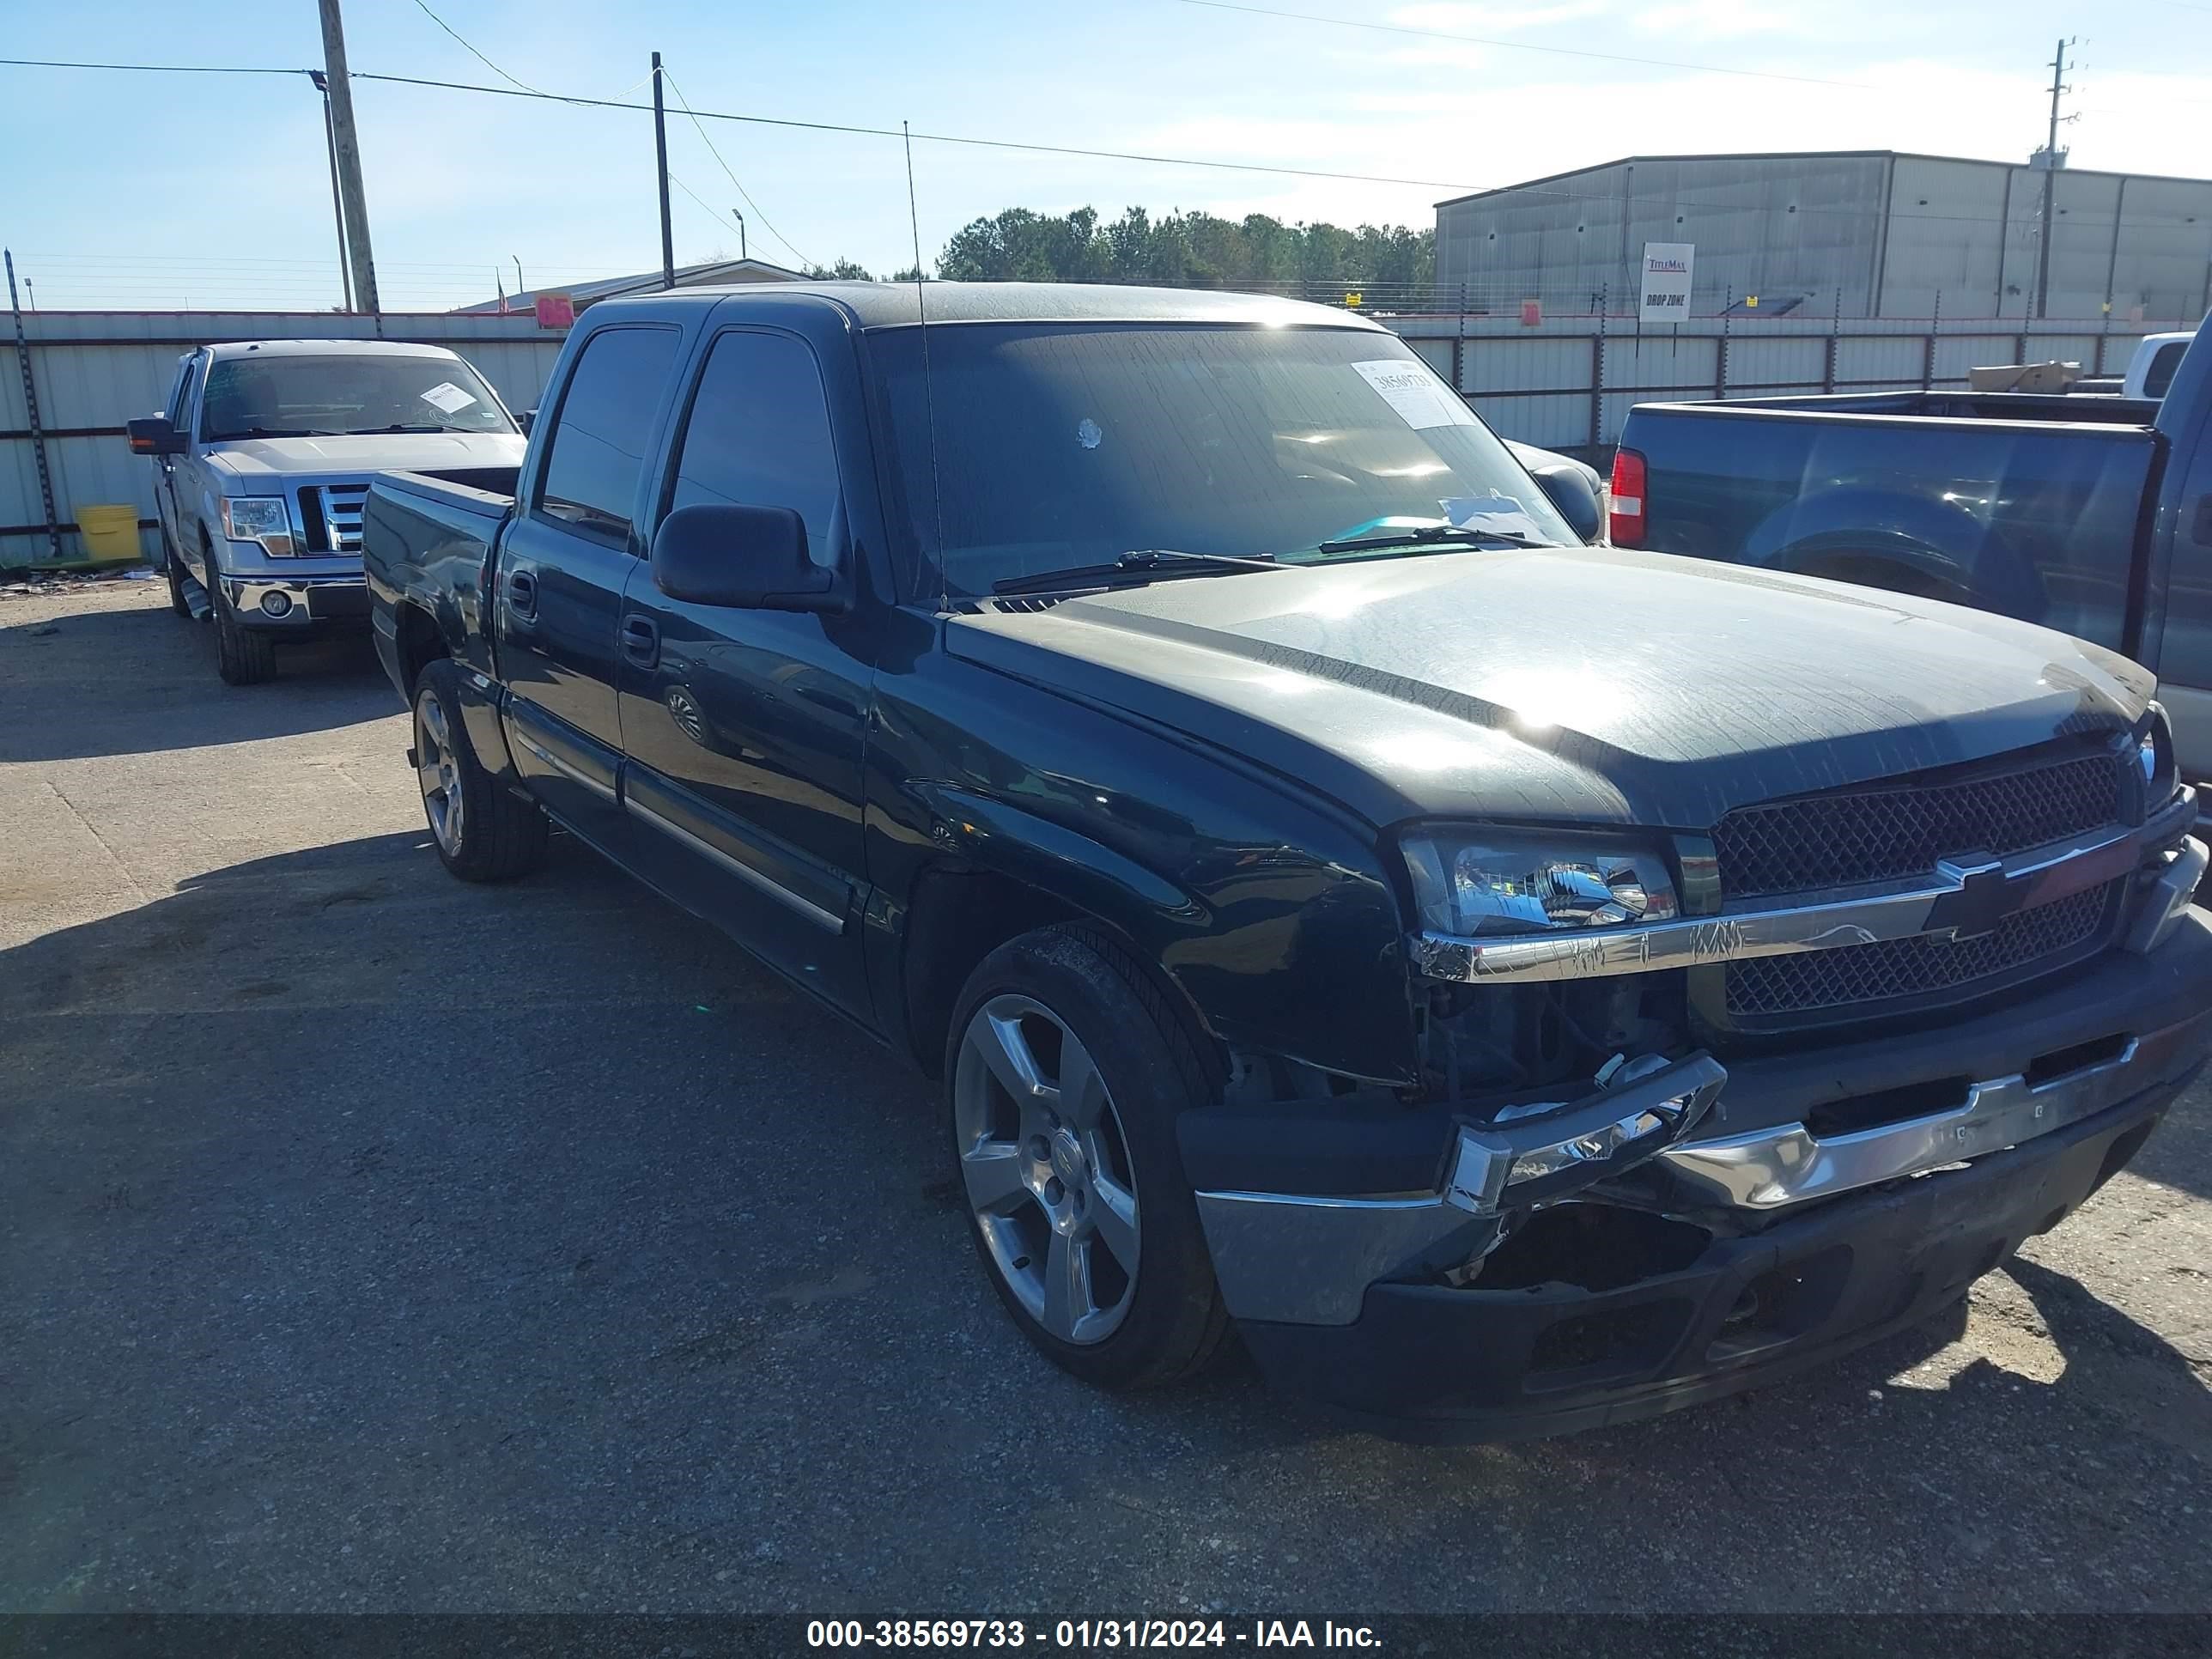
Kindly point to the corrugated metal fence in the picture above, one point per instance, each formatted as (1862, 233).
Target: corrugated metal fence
(96, 369)
(1565, 383)
(1569, 382)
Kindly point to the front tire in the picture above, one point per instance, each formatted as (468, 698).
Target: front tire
(482, 832)
(244, 656)
(1065, 1072)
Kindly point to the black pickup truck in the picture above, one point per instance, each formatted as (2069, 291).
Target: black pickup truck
(2092, 515)
(1517, 985)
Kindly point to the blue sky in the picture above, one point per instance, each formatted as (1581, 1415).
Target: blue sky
(157, 192)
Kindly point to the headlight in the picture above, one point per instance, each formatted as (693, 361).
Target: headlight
(258, 519)
(1479, 884)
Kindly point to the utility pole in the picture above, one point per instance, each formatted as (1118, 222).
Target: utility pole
(660, 152)
(2050, 184)
(346, 153)
(31, 408)
(338, 201)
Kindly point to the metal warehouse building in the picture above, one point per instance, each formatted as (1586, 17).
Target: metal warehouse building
(1855, 233)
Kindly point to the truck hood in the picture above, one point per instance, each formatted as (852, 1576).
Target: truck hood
(1568, 685)
(369, 452)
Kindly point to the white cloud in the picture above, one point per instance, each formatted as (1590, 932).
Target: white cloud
(1452, 19)
(1717, 20)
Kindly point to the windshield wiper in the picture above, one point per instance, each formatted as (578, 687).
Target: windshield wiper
(396, 425)
(277, 432)
(1138, 564)
(1450, 534)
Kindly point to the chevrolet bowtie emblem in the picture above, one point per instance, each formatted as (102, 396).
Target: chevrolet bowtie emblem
(1986, 897)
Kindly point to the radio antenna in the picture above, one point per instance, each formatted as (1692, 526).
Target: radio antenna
(928, 394)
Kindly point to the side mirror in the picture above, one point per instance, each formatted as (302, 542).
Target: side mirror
(752, 558)
(527, 419)
(1568, 489)
(152, 435)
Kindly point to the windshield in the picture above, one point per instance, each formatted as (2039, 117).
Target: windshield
(1058, 447)
(290, 396)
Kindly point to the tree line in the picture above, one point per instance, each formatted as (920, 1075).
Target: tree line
(1180, 250)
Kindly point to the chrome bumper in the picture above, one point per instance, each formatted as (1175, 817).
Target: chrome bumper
(246, 594)
(1773, 1169)
(1301, 1260)
(1307, 1261)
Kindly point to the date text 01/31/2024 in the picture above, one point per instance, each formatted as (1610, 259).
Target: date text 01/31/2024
(1084, 1634)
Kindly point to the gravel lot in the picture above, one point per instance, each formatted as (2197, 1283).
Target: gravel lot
(371, 1242)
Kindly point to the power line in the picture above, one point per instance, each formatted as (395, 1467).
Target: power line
(780, 121)
(1522, 45)
(712, 211)
(929, 137)
(685, 103)
(151, 68)
(479, 56)
(1036, 149)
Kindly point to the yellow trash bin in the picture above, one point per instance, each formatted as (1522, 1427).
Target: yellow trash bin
(110, 533)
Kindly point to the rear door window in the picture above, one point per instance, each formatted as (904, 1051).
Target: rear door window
(2160, 375)
(603, 429)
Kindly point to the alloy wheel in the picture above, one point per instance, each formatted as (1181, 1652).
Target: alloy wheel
(1047, 1169)
(439, 770)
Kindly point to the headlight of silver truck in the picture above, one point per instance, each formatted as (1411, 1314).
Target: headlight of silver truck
(258, 519)
(1481, 884)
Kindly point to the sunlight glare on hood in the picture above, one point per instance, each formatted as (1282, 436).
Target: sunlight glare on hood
(1582, 697)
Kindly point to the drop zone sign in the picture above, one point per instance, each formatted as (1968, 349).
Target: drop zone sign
(1664, 294)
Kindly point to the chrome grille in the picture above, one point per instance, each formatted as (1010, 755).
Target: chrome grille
(1833, 978)
(337, 509)
(1899, 829)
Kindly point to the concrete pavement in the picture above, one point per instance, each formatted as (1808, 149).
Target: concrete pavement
(372, 1242)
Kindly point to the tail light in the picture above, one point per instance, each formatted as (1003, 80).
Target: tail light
(1628, 477)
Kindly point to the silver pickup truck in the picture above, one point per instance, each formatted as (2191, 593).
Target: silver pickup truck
(265, 450)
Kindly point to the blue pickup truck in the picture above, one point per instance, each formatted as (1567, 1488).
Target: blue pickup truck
(2092, 515)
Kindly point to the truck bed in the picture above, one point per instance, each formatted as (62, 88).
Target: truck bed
(2023, 505)
(2063, 408)
(429, 536)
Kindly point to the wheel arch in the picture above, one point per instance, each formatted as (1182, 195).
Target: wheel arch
(1909, 543)
(959, 912)
(1258, 950)
(418, 639)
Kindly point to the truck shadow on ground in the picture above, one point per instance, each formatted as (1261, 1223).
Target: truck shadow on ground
(325, 1160)
(146, 663)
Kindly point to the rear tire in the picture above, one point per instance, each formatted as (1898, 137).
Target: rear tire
(244, 656)
(482, 832)
(1065, 1072)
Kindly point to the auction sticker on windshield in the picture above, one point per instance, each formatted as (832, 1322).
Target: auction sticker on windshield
(448, 396)
(1502, 514)
(1419, 398)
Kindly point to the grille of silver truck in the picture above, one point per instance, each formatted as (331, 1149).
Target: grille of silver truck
(1890, 831)
(330, 516)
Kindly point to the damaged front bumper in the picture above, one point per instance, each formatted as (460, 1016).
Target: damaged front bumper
(1683, 1254)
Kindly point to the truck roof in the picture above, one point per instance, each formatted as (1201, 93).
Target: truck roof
(324, 348)
(899, 305)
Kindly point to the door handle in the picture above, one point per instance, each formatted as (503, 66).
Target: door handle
(640, 640)
(2203, 530)
(522, 594)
